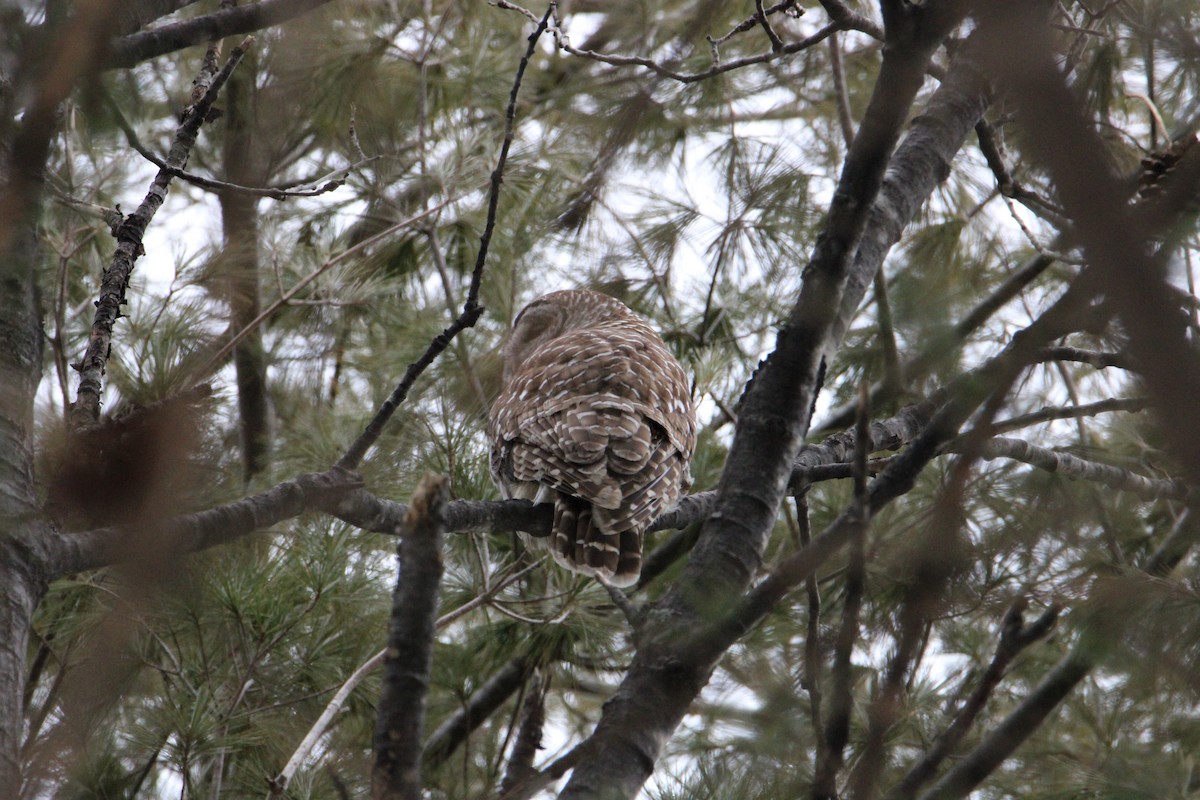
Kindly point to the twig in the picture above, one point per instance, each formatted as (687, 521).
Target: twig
(1099, 360)
(218, 358)
(632, 614)
(841, 93)
(471, 308)
(761, 15)
(1047, 413)
(718, 69)
(327, 183)
(129, 247)
(396, 774)
(752, 20)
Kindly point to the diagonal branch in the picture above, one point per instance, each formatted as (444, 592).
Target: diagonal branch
(1015, 636)
(471, 308)
(1027, 717)
(666, 675)
(129, 233)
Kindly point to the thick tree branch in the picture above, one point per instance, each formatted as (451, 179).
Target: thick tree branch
(128, 51)
(664, 678)
(69, 553)
(396, 774)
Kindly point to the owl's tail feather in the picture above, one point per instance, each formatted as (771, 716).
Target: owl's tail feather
(580, 545)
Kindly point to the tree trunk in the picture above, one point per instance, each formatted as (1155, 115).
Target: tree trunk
(239, 265)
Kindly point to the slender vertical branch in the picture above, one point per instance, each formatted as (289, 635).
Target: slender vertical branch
(529, 736)
(813, 645)
(401, 715)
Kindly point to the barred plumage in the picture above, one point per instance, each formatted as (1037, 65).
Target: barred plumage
(595, 416)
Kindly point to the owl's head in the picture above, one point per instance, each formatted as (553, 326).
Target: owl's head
(554, 314)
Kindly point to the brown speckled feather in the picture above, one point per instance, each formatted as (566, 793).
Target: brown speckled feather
(595, 415)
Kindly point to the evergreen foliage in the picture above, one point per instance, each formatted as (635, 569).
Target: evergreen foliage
(171, 673)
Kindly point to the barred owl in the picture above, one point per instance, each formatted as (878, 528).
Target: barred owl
(595, 416)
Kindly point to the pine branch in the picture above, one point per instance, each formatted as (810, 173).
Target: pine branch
(902, 470)
(1114, 237)
(314, 188)
(70, 553)
(86, 409)
(304, 750)
(480, 706)
(1015, 636)
(396, 774)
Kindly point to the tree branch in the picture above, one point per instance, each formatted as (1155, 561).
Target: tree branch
(128, 51)
(665, 676)
(494, 692)
(471, 308)
(69, 553)
(129, 233)
(1015, 636)
(396, 774)
(1078, 468)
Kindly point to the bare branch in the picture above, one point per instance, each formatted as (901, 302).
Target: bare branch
(1081, 469)
(126, 51)
(396, 774)
(70, 553)
(129, 246)
(327, 184)
(717, 69)
(1094, 358)
(1047, 413)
